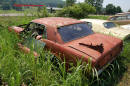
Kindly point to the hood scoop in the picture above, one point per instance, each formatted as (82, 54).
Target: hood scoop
(98, 48)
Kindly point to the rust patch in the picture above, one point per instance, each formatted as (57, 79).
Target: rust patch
(98, 48)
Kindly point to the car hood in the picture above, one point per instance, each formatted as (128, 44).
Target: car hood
(95, 46)
(120, 32)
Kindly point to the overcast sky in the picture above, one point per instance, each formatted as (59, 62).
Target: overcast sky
(124, 4)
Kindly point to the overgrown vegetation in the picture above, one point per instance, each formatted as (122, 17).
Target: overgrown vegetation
(80, 10)
(18, 68)
(42, 12)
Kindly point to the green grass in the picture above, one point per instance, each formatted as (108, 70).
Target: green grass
(24, 10)
(18, 68)
(104, 17)
(9, 11)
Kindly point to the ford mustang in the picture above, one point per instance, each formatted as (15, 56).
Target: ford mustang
(69, 39)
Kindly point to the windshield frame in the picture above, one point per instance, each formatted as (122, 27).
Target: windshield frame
(27, 29)
(61, 36)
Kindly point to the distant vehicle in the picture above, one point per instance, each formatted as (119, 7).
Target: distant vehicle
(126, 26)
(108, 27)
(69, 39)
(120, 18)
(126, 13)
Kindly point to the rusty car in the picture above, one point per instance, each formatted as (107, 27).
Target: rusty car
(121, 18)
(108, 28)
(72, 39)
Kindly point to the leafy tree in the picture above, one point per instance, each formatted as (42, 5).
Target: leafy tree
(110, 9)
(42, 12)
(6, 6)
(80, 10)
(70, 2)
(97, 4)
(118, 9)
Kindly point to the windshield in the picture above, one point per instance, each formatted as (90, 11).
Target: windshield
(109, 25)
(74, 31)
(33, 30)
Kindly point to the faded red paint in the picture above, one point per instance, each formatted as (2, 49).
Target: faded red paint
(78, 49)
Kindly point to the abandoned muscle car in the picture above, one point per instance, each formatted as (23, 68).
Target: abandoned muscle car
(72, 39)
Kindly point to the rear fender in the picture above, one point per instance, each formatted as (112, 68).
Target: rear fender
(62, 52)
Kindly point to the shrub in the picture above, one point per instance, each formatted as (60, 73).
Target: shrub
(80, 10)
(42, 12)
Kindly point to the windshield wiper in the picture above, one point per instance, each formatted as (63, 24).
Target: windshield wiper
(98, 48)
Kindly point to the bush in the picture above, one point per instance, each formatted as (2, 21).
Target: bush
(80, 10)
(42, 12)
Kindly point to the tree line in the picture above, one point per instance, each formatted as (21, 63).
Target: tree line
(110, 9)
(97, 4)
(9, 4)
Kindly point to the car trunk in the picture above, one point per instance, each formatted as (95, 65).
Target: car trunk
(120, 32)
(99, 47)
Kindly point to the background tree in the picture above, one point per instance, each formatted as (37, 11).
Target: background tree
(8, 4)
(80, 10)
(70, 2)
(5, 5)
(111, 9)
(97, 4)
(118, 9)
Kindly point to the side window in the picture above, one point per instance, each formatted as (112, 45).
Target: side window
(124, 17)
(128, 16)
(113, 18)
(119, 18)
(37, 29)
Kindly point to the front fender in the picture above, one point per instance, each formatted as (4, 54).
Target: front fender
(16, 29)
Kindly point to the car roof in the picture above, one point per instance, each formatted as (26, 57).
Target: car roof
(56, 21)
(123, 13)
(97, 21)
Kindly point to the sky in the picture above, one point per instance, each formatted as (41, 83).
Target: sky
(124, 4)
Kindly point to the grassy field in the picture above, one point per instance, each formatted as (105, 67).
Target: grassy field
(17, 68)
(104, 17)
(32, 9)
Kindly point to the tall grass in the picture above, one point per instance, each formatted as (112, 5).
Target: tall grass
(17, 68)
